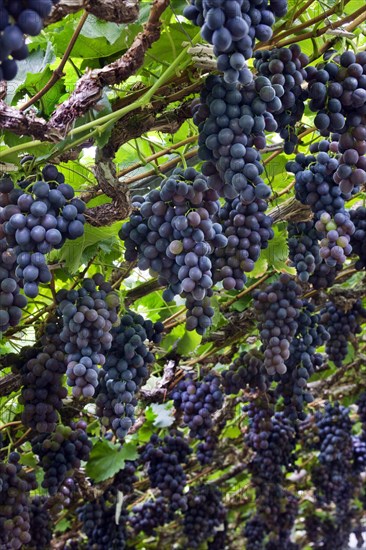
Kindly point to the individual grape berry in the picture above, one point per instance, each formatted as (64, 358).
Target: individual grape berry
(204, 516)
(278, 308)
(198, 401)
(125, 370)
(60, 453)
(165, 458)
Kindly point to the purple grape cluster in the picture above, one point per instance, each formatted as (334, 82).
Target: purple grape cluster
(278, 307)
(99, 524)
(148, 516)
(37, 219)
(246, 372)
(248, 230)
(11, 301)
(15, 515)
(337, 89)
(206, 449)
(341, 325)
(172, 233)
(304, 252)
(88, 315)
(332, 475)
(204, 516)
(19, 19)
(125, 370)
(231, 123)
(43, 390)
(233, 27)
(40, 523)
(61, 452)
(272, 438)
(165, 458)
(335, 234)
(303, 361)
(285, 68)
(314, 184)
(198, 401)
(358, 238)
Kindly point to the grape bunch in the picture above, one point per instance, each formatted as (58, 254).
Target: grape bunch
(19, 19)
(327, 532)
(231, 123)
(255, 533)
(361, 411)
(15, 515)
(40, 523)
(206, 449)
(303, 361)
(332, 475)
(284, 67)
(148, 516)
(63, 498)
(303, 244)
(246, 372)
(37, 220)
(11, 301)
(358, 238)
(60, 453)
(324, 276)
(278, 308)
(342, 325)
(125, 370)
(335, 236)
(204, 516)
(335, 88)
(198, 401)
(273, 440)
(88, 315)
(314, 184)
(248, 230)
(165, 458)
(42, 388)
(172, 233)
(125, 478)
(359, 454)
(337, 91)
(233, 27)
(99, 524)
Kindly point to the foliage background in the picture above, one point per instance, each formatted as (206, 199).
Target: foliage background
(142, 122)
